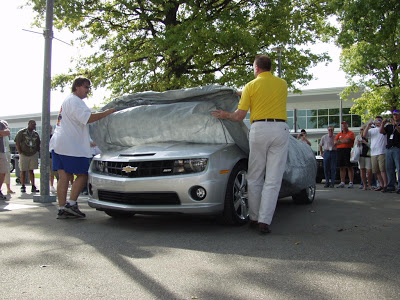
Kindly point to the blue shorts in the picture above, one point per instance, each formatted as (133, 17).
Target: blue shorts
(70, 164)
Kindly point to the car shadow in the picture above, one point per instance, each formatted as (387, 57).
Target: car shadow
(304, 235)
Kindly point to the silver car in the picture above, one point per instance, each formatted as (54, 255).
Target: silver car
(180, 162)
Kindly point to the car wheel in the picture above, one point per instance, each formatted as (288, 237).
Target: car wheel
(236, 208)
(119, 214)
(305, 196)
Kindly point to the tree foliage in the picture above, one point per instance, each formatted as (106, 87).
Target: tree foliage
(167, 44)
(370, 36)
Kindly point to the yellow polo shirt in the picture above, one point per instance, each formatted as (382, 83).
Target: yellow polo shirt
(266, 97)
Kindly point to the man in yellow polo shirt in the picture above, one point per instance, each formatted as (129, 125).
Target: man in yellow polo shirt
(266, 97)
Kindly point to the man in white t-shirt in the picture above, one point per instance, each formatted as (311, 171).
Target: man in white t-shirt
(4, 166)
(378, 149)
(70, 146)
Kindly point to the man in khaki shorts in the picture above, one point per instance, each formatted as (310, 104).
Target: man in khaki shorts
(378, 149)
(27, 142)
(4, 166)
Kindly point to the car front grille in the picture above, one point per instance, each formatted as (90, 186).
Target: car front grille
(140, 198)
(140, 169)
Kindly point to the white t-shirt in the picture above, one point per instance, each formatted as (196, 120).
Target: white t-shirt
(71, 136)
(378, 141)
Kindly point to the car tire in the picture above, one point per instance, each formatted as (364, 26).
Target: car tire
(119, 214)
(236, 208)
(305, 196)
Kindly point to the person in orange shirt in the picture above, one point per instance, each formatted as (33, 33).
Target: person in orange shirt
(344, 141)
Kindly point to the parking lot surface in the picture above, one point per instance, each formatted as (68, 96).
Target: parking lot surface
(343, 246)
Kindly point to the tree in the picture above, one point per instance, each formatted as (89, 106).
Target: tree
(370, 36)
(167, 44)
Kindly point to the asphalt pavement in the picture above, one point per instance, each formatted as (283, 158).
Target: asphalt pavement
(343, 246)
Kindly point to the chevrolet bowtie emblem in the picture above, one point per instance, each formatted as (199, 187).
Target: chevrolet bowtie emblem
(129, 169)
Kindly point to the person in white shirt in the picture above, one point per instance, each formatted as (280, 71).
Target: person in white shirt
(70, 146)
(7, 178)
(4, 166)
(378, 149)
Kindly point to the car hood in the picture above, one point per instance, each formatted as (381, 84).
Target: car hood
(158, 151)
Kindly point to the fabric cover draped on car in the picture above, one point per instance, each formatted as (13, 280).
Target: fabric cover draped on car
(185, 116)
(171, 116)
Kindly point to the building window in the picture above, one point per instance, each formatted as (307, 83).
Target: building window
(14, 131)
(322, 118)
(290, 119)
(317, 118)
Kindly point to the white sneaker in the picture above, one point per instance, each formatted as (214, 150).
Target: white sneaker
(53, 190)
(350, 185)
(341, 185)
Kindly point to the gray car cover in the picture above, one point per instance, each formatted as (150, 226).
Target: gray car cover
(176, 115)
(185, 115)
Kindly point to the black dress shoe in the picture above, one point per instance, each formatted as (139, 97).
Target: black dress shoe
(263, 228)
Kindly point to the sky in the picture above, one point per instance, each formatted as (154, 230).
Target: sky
(22, 57)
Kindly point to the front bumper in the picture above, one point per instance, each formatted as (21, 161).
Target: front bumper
(179, 187)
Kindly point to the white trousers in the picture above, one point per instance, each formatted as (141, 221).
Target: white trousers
(268, 154)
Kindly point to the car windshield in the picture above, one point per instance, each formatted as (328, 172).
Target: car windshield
(172, 116)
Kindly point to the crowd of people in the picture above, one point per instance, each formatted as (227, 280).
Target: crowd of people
(265, 97)
(379, 159)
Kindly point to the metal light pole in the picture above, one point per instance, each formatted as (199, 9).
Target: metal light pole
(44, 147)
(279, 51)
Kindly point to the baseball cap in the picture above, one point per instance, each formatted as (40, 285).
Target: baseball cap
(396, 111)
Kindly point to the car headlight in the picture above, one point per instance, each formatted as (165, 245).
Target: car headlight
(193, 165)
